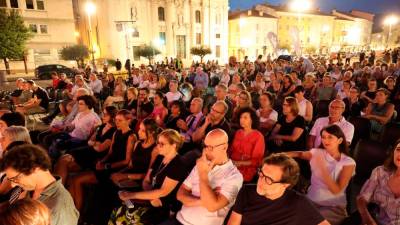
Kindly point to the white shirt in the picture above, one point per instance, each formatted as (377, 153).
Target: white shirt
(320, 123)
(96, 86)
(84, 125)
(303, 107)
(225, 78)
(173, 96)
(272, 116)
(318, 191)
(225, 179)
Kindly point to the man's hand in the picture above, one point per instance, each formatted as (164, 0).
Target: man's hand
(182, 125)
(204, 166)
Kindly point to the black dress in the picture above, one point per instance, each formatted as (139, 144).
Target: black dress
(141, 158)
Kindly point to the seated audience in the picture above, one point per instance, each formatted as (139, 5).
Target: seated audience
(326, 91)
(380, 112)
(268, 116)
(9, 119)
(177, 113)
(354, 105)
(131, 100)
(243, 101)
(331, 169)
(271, 201)
(38, 103)
(95, 84)
(173, 94)
(305, 106)
(160, 111)
(368, 96)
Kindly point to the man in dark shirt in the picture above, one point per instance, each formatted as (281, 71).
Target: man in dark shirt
(145, 105)
(38, 103)
(221, 94)
(271, 201)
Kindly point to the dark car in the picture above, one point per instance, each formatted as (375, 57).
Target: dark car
(44, 72)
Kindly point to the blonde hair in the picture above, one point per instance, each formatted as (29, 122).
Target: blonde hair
(173, 137)
(293, 104)
(17, 133)
(26, 211)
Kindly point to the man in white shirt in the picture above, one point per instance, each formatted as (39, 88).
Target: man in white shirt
(95, 84)
(216, 178)
(336, 109)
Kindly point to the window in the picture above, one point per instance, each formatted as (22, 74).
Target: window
(162, 38)
(161, 14)
(3, 3)
(217, 51)
(14, 3)
(40, 4)
(198, 39)
(198, 16)
(135, 33)
(33, 28)
(29, 4)
(43, 29)
(217, 35)
(136, 57)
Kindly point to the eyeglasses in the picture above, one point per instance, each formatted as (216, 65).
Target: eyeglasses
(14, 179)
(212, 109)
(160, 144)
(211, 147)
(266, 178)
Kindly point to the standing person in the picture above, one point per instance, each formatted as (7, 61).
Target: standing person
(28, 166)
(331, 169)
(272, 201)
(118, 65)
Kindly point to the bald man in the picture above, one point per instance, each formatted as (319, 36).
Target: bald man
(216, 178)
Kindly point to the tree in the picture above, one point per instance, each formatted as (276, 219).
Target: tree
(75, 52)
(13, 36)
(147, 51)
(200, 51)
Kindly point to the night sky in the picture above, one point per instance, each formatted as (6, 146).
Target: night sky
(374, 6)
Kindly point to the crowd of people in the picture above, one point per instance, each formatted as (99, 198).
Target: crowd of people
(265, 142)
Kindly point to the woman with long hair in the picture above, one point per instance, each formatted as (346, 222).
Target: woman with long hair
(160, 110)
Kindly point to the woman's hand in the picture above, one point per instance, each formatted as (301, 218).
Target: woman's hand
(126, 195)
(117, 177)
(156, 202)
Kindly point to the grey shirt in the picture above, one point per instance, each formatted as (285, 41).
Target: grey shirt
(60, 204)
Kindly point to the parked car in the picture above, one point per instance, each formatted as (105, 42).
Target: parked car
(43, 72)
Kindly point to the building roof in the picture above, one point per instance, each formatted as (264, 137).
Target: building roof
(353, 14)
(285, 8)
(245, 13)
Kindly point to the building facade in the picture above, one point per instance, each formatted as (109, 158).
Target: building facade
(52, 29)
(173, 26)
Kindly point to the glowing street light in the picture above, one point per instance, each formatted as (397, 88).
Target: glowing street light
(390, 21)
(242, 22)
(90, 9)
(300, 5)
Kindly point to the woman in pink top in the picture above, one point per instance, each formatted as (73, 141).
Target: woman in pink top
(247, 150)
(160, 110)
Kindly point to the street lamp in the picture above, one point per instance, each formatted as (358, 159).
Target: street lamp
(390, 21)
(300, 6)
(90, 9)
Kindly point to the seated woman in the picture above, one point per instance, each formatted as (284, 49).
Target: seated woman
(160, 110)
(118, 94)
(86, 157)
(268, 116)
(12, 136)
(382, 189)
(131, 101)
(247, 149)
(159, 186)
(380, 112)
(118, 157)
(177, 113)
(288, 133)
(142, 155)
(288, 86)
(331, 170)
(305, 106)
(243, 101)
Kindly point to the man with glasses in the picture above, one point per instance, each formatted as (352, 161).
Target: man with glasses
(336, 110)
(271, 201)
(28, 167)
(210, 190)
(214, 119)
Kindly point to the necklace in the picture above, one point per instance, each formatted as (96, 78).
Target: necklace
(161, 168)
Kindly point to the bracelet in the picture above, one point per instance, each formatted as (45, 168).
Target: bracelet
(107, 166)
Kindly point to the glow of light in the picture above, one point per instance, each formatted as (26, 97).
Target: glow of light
(300, 5)
(77, 34)
(245, 42)
(158, 42)
(130, 30)
(242, 22)
(325, 28)
(90, 8)
(391, 20)
(353, 35)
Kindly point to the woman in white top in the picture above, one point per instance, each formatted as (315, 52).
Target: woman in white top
(305, 106)
(331, 170)
(268, 116)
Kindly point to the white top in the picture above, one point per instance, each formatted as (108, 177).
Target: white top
(320, 123)
(96, 86)
(84, 125)
(302, 107)
(225, 78)
(173, 96)
(272, 116)
(225, 179)
(318, 192)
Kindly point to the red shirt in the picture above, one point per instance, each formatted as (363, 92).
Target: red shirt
(248, 147)
(55, 82)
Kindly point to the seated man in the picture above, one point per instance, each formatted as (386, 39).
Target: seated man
(272, 201)
(28, 166)
(336, 109)
(210, 190)
(38, 103)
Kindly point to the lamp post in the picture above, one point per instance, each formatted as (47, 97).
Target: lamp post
(90, 9)
(300, 6)
(390, 21)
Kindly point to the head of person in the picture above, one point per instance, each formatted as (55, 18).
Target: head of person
(299, 92)
(199, 70)
(290, 106)
(109, 114)
(215, 146)
(80, 92)
(218, 111)
(86, 102)
(160, 99)
(326, 80)
(248, 118)
(93, 77)
(372, 84)
(266, 100)
(347, 75)
(177, 107)
(390, 82)
(11, 119)
(354, 92)
(392, 163)
(221, 91)
(333, 139)
(173, 85)
(336, 109)
(244, 99)
(382, 95)
(31, 85)
(123, 119)
(259, 77)
(169, 141)
(15, 134)
(277, 173)
(79, 81)
(294, 75)
(26, 211)
(19, 83)
(346, 85)
(148, 130)
(235, 78)
(63, 76)
(144, 94)
(287, 81)
(25, 165)
(309, 78)
(131, 93)
(196, 105)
